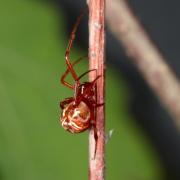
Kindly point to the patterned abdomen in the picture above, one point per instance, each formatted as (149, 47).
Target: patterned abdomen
(76, 119)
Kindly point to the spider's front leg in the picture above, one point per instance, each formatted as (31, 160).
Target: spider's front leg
(67, 53)
(63, 81)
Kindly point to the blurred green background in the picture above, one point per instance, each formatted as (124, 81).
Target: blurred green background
(33, 146)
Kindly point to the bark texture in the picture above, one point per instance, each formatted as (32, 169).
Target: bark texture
(97, 61)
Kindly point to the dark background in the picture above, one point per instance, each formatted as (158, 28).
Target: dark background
(160, 18)
(33, 37)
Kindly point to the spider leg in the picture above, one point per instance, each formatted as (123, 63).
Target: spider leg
(65, 83)
(95, 105)
(93, 123)
(92, 84)
(67, 53)
(66, 101)
(85, 73)
(95, 114)
(98, 105)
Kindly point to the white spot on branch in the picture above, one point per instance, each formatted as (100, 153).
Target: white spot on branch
(97, 25)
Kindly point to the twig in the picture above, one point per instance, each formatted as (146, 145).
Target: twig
(125, 25)
(96, 61)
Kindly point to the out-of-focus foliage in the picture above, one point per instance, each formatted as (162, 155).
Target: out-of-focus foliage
(33, 146)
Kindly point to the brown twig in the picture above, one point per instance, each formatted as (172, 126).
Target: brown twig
(97, 61)
(125, 25)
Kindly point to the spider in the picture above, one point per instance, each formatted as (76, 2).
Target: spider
(79, 111)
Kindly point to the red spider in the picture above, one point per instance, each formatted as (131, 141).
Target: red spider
(79, 111)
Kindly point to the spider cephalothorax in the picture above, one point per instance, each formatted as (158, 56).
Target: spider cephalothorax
(79, 111)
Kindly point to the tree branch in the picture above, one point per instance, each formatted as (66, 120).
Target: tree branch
(127, 28)
(97, 61)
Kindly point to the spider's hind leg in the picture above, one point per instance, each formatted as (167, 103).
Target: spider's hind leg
(93, 123)
(66, 101)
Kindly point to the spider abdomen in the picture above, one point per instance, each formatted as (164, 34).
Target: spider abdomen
(76, 119)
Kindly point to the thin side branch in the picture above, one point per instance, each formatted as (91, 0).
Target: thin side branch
(97, 61)
(127, 28)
